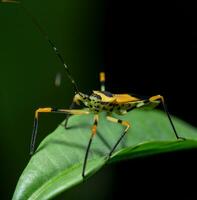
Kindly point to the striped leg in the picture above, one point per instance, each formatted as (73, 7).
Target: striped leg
(49, 110)
(94, 127)
(124, 123)
(102, 81)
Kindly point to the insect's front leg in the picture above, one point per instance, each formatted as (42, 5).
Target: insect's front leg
(72, 106)
(93, 130)
(50, 110)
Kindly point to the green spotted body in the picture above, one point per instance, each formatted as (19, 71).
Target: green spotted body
(96, 104)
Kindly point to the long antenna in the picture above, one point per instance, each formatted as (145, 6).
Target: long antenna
(43, 32)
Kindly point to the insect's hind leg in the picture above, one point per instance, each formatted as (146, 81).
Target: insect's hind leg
(102, 81)
(49, 110)
(161, 98)
(124, 123)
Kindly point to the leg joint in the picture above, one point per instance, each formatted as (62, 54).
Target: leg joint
(156, 97)
(42, 110)
(125, 123)
(94, 127)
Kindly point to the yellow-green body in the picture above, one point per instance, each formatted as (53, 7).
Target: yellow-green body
(120, 104)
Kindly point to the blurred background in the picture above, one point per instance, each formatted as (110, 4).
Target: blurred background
(145, 48)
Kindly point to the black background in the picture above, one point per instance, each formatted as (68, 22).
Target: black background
(150, 49)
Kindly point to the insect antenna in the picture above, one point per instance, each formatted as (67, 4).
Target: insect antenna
(43, 32)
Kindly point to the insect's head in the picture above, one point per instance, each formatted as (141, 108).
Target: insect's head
(80, 98)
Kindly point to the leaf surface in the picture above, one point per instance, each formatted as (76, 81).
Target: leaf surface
(57, 164)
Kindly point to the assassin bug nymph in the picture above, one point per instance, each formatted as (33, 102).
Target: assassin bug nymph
(95, 103)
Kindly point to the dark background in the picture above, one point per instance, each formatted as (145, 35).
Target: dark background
(151, 49)
(145, 47)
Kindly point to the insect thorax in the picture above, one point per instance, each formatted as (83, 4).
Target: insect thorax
(95, 104)
(105, 101)
(99, 106)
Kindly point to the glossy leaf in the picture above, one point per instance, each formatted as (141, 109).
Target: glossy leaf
(57, 164)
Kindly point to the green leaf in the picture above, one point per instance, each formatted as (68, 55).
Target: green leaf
(57, 164)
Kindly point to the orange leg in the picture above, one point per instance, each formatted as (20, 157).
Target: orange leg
(50, 110)
(94, 128)
(124, 123)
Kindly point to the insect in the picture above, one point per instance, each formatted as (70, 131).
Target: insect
(99, 101)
